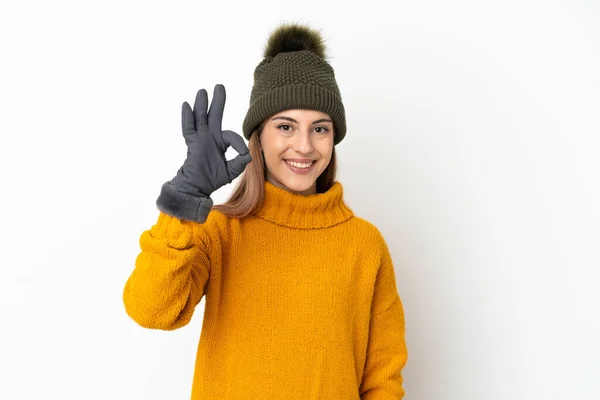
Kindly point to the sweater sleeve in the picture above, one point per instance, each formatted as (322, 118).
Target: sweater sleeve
(170, 275)
(386, 350)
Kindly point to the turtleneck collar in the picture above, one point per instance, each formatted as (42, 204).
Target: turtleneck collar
(313, 211)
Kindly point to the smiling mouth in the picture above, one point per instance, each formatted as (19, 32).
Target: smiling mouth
(299, 164)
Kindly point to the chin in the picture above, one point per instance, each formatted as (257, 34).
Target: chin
(299, 187)
(298, 184)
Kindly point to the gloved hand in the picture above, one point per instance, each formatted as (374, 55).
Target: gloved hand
(187, 195)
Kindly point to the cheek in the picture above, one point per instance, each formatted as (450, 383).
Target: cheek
(325, 149)
(272, 155)
(274, 150)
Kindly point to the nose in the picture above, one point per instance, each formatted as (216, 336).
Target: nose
(303, 143)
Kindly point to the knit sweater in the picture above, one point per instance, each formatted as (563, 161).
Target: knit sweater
(301, 299)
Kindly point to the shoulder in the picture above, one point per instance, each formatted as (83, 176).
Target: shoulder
(367, 231)
(366, 226)
(216, 218)
(215, 229)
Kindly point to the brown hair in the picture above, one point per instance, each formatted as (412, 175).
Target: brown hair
(249, 192)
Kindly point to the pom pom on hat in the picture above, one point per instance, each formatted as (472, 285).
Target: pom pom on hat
(294, 37)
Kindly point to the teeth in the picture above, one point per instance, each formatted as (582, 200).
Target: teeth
(299, 165)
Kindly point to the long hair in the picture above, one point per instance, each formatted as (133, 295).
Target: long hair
(249, 192)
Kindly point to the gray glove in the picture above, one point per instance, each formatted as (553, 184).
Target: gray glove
(187, 195)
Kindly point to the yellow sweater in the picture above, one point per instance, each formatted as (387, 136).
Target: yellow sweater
(301, 300)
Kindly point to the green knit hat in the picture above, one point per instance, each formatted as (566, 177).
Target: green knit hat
(294, 74)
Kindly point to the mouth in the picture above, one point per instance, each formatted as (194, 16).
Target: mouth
(301, 167)
(300, 164)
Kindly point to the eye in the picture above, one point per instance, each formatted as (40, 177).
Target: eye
(286, 127)
(323, 129)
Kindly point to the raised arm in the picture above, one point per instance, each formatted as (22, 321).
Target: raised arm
(173, 268)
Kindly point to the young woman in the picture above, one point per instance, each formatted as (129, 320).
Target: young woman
(301, 298)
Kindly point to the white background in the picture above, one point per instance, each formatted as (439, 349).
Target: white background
(473, 144)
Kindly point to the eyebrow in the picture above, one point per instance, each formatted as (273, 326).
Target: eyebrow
(293, 120)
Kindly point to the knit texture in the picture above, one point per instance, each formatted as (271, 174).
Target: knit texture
(298, 79)
(301, 300)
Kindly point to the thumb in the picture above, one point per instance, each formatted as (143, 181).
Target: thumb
(234, 140)
(236, 165)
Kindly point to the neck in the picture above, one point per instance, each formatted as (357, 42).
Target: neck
(311, 190)
(310, 211)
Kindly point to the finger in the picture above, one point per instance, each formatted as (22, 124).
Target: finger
(187, 119)
(215, 113)
(234, 140)
(200, 106)
(237, 165)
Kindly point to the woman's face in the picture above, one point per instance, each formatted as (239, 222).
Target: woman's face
(297, 146)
